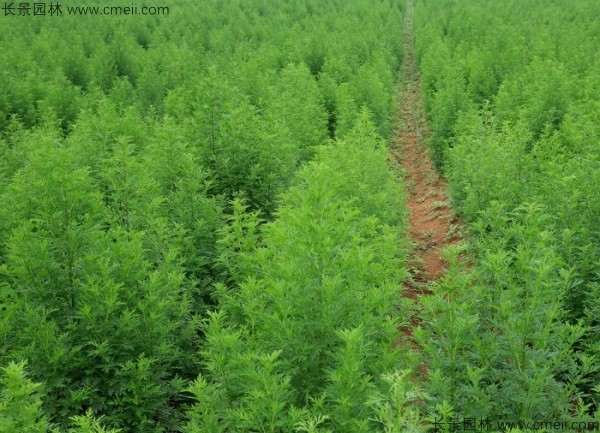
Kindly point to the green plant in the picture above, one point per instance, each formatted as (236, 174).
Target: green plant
(309, 327)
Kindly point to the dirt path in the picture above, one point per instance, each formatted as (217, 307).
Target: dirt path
(432, 225)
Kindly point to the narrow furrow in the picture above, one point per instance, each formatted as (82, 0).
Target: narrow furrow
(432, 224)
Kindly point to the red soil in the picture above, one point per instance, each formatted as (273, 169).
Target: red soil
(432, 224)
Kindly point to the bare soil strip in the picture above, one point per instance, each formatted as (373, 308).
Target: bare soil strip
(432, 225)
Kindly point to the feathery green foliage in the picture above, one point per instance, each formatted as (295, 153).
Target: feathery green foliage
(514, 115)
(140, 157)
(304, 338)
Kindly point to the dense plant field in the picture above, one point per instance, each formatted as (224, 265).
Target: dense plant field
(511, 92)
(201, 229)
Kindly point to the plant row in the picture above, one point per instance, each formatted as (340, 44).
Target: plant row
(126, 147)
(511, 92)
